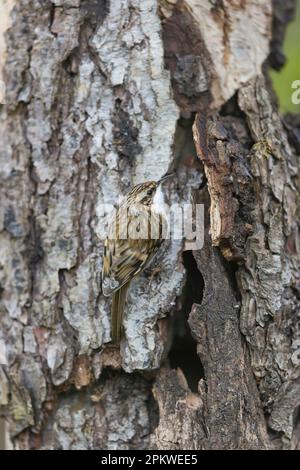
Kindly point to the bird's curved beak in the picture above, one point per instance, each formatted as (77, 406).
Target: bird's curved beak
(165, 177)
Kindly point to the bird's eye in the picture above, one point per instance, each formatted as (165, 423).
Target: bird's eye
(150, 192)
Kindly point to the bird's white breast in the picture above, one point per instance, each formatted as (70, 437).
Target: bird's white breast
(159, 205)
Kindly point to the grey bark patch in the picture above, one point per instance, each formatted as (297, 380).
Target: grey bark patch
(268, 282)
(125, 134)
(112, 414)
(11, 223)
(95, 11)
(190, 70)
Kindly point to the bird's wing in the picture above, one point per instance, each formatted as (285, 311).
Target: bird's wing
(124, 259)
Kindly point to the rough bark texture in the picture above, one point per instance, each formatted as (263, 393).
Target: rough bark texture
(101, 95)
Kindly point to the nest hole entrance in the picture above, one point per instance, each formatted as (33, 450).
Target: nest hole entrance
(183, 353)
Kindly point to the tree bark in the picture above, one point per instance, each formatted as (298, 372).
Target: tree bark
(101, 95)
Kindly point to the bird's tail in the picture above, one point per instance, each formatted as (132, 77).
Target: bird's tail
(117, 309)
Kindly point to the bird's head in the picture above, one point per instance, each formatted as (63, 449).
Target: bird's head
(146, 193)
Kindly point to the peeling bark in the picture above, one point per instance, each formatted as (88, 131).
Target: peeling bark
(101, 95)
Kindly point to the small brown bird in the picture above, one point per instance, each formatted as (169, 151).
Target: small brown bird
(130, 245)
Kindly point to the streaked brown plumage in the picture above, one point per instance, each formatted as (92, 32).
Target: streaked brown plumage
(124, 258)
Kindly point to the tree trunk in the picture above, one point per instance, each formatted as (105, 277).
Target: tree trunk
(101, 95)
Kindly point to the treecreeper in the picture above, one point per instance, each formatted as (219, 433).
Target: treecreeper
(135, 233)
